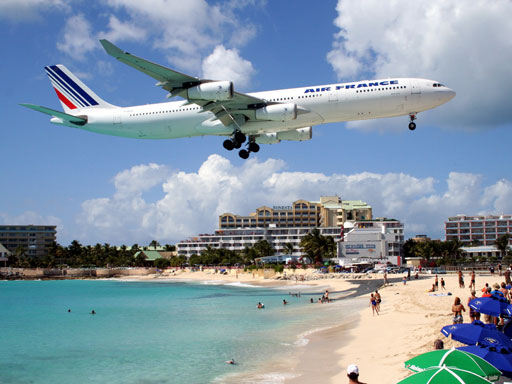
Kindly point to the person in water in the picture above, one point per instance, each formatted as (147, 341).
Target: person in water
(261, 306)
(93, 312)
(284, 302)
(232, 361)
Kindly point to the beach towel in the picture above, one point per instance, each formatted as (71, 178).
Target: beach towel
(440, 294)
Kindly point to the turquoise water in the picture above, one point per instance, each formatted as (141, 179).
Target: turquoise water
(143, 332)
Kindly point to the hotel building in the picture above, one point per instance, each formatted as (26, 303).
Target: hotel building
(239, 238)
(379, 240)
(35, 239)
(483, 230)
(330, 211)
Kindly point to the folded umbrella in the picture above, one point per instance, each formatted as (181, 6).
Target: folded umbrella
(475, 333)
(454, 358)
(499, 356)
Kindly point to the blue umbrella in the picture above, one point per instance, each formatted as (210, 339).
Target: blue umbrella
(494, 306)
(476, 333)
(498, 356)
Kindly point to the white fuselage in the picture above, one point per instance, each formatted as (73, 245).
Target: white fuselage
(319, 104)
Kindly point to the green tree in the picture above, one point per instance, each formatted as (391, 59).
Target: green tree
(263, 248)
(162, 263)
(317, 246)
(502, 244)
(169, 248)
(154, 244)
(289, 248)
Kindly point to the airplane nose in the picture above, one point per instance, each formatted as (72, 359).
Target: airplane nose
(449, 94)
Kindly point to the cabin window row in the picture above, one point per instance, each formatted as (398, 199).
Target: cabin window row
(169, 111)
(380, 89)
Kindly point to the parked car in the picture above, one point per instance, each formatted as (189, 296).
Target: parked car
(438, 271)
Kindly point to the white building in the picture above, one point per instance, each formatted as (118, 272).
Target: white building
(239, 238)
(378, 240)
(482, 251)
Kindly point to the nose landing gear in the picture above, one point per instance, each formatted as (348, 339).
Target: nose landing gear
(412, 124)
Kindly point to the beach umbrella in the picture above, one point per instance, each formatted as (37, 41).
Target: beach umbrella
(500, 357)
(476, 332)
(494, 306)
(444, 375)
(454, 358)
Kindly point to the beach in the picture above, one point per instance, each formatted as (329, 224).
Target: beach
(409, 322)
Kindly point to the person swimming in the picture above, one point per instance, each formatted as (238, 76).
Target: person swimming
(232, 361)
(93, 312)
(284, 302)
(260, 305)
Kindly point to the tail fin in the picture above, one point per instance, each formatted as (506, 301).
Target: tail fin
(72, 93)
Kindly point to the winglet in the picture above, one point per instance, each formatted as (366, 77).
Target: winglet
(111, 49)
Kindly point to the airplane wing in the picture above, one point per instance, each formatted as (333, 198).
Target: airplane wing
(235, 109)
(76, 120)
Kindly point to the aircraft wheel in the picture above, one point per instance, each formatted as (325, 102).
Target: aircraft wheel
(253, 147)
(228, 144)
(237, 144)
(240, 137)
(243, 154)
(412, 126)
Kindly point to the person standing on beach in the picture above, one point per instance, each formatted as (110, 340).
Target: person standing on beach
(461, 279)
(353, 374)
(373, 303)
(457, 309)
(378, 299)
(436, 282)
(507, 276)
(385, 278)
(472, 285)
(472, 313)
(442, 284)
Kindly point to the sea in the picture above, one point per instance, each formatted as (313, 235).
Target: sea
(156, 331)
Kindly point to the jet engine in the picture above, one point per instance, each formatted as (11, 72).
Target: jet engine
(277, 112)
(299, 134)
(215, 90)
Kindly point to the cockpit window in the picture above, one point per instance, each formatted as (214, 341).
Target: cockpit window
(438, 85)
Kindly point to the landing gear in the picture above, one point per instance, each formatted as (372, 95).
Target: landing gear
(236, 141)
(412, 124)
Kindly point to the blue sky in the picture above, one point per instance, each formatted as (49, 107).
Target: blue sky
(98, 188)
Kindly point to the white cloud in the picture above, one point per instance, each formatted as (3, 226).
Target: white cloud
(78, 39)
(226, 64)
(190, 202)
(187, 29)
(464, 44)
(26, 10)
(122, 31)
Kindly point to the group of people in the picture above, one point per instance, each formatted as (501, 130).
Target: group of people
(501, 290)
(435, 286)
(375, 301)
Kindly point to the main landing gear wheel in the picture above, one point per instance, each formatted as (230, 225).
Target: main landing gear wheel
(228, 144)
(239, 137)
(253, 147)
(243, 154)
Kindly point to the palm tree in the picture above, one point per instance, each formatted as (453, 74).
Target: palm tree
(502, 244)
(289, 248)
(263, 248)
(154, 244)
(318, 246)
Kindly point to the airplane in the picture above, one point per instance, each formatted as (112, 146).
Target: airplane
(213, 107)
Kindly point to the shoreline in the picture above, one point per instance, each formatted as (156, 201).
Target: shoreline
(409, 322)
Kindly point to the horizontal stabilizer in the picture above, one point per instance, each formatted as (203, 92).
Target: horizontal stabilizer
(77, 120)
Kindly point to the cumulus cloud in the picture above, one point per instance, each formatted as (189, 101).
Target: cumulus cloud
(464, 44)
(118, 30)
(78, 38)
(26, 10)
(188, 29)
(188, 203)
(227, 64)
